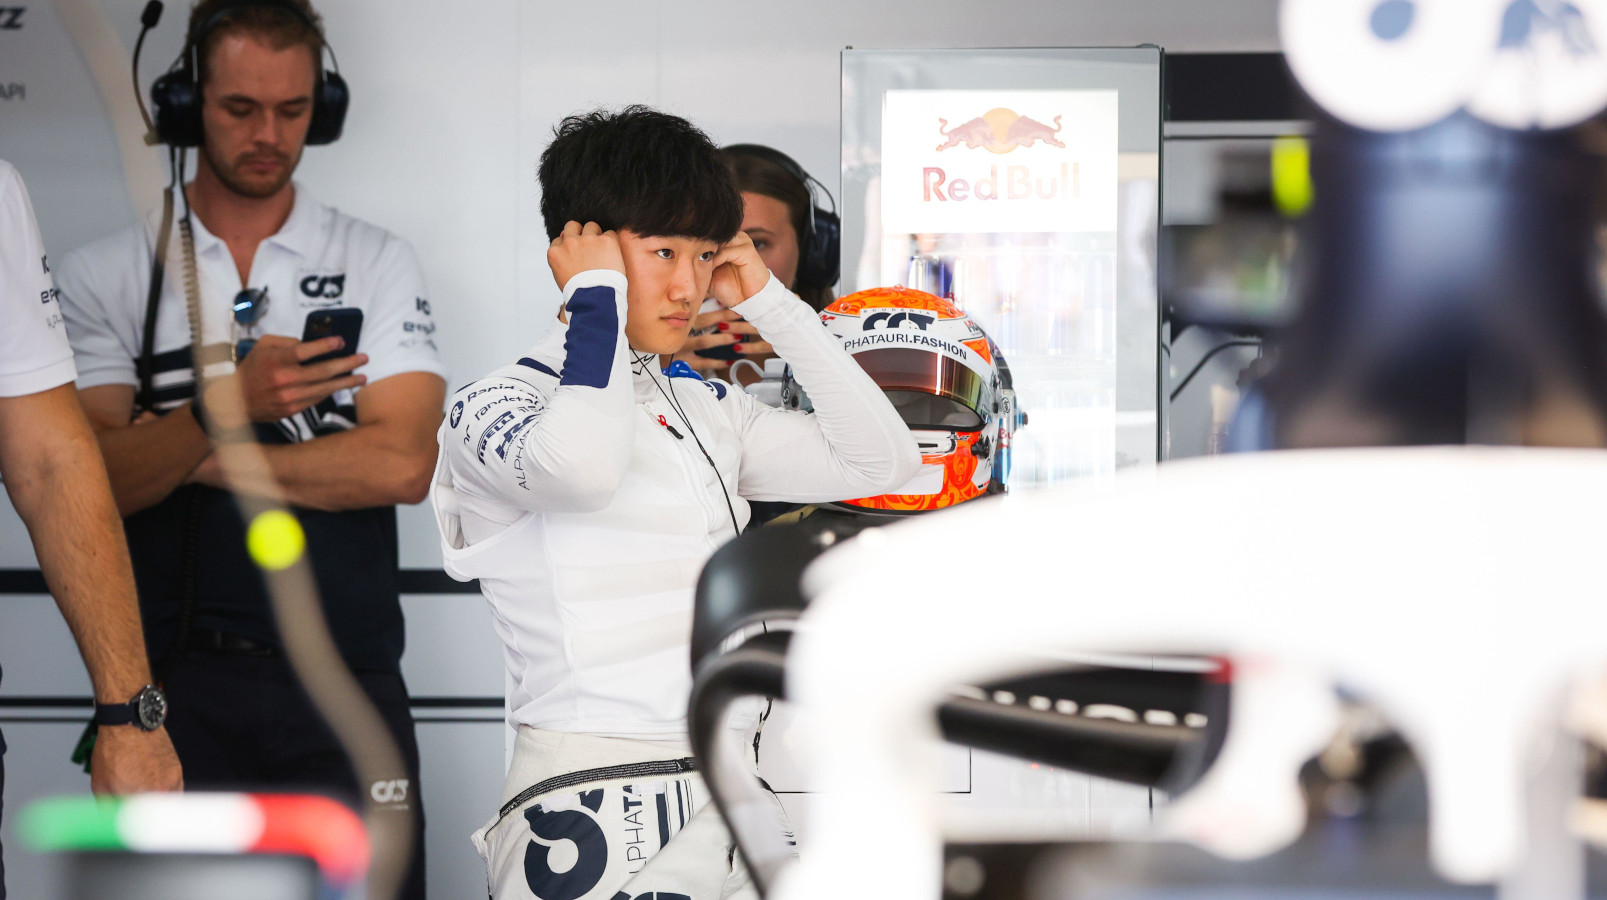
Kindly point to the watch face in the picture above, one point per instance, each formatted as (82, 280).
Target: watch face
(152, 708)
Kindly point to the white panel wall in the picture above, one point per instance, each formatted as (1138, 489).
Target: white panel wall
(768, 72)
(452, 106)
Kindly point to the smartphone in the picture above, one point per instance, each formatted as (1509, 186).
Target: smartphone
(723, 351)
(343, 321)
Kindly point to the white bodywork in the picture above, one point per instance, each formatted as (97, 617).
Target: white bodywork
(1456, 588)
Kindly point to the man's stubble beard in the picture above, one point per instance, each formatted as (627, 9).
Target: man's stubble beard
(225, 172)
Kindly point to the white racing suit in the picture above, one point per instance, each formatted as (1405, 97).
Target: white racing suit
(585, 489)
(591, 818)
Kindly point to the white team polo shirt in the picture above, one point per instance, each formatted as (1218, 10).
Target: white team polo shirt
(320, 258)
(34, 354)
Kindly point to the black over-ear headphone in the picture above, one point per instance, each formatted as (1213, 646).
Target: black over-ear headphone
(820, 248)
(176, 96)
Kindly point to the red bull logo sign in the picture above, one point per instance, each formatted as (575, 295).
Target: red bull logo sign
(998, 131)
(1049, 165)
(1001, 131)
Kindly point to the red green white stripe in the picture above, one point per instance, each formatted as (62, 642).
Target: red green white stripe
(317, 827)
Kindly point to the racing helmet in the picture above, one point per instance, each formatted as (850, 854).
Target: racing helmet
(948, 382)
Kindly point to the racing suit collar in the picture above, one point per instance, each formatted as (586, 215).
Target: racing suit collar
(550, 352)
(644, 372)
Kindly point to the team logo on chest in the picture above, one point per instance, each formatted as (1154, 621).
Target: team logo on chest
(322, 289)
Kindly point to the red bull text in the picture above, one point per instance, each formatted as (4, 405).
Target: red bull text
(1020, 183)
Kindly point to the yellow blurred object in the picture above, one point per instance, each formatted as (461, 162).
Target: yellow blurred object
(275, 540)
(1292, 190)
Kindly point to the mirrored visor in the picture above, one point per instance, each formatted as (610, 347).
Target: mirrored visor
(929, 390)
(931, 411)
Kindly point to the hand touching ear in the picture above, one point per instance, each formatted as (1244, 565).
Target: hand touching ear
(579, 249)
(739, 273)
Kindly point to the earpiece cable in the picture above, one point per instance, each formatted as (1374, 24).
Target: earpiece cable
(648, 365)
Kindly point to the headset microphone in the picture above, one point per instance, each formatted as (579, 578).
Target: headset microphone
(147, 21)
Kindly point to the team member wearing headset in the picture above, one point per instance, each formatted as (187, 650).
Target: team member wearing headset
(797, 239)
(347, 438)
(585, 488)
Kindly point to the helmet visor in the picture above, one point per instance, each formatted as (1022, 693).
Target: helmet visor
(920, 410)
(928, 389)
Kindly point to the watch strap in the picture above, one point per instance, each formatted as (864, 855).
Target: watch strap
(117, 713)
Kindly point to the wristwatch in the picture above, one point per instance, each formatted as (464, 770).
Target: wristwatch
(148, 710)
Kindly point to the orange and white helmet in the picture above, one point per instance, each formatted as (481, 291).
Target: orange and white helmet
(947, 381)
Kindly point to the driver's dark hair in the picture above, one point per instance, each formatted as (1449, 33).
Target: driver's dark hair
(641, 169)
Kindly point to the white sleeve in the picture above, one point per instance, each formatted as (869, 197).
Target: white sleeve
(398, 328)
(853, 445)
(34, 353)
(563, 447)
(104, 324)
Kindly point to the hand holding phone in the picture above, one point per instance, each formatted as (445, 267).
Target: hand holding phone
(720, 337)
(342, 322)
(724, 334)
(282, 376)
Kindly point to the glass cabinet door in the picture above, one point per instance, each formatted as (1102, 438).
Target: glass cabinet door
(1024, 185)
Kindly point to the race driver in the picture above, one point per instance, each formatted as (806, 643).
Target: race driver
(585, 487)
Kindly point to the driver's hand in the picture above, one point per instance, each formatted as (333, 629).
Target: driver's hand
(739, 273)
(583, 248)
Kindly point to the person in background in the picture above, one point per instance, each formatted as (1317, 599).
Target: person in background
(346, 438)
(796, 240)
(57, 482)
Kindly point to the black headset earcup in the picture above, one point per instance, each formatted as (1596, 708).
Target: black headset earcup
(819, 251)
(329, 110)
(176, 102)
(820, 258)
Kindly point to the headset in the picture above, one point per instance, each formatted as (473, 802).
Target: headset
(176, 95)
(820, 247)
